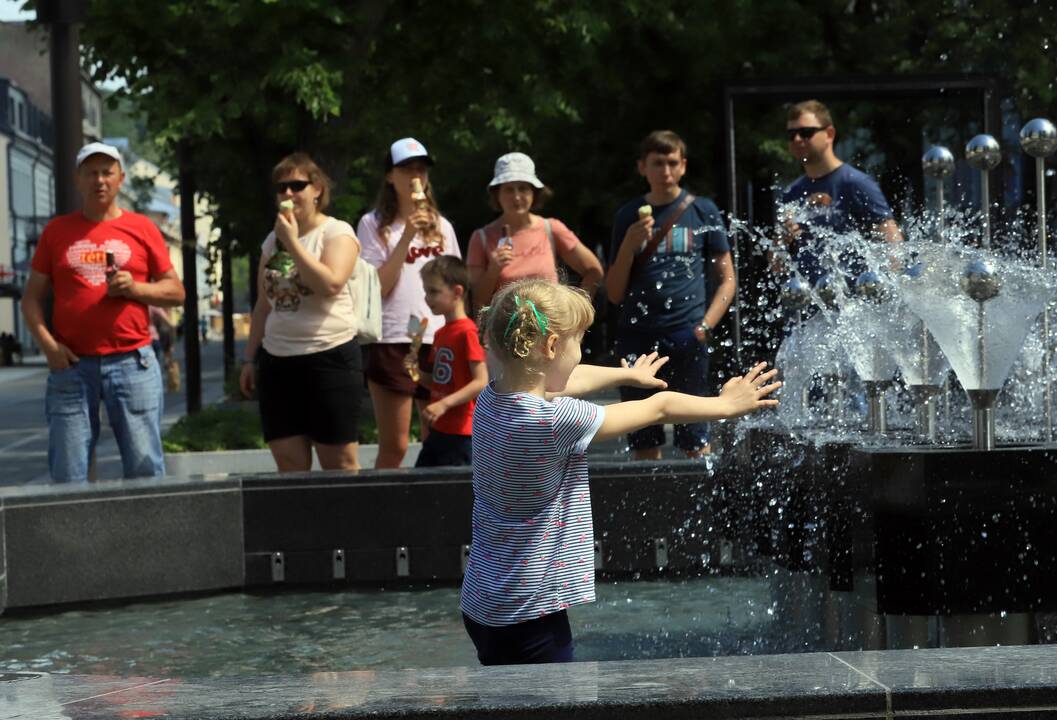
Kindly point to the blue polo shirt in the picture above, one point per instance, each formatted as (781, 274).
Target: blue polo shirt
(670, 290)
(843, 201)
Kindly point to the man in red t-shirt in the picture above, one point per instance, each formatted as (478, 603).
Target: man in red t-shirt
(459, 373)
(105, 265)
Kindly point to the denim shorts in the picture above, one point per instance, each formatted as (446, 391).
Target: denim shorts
(685, 372)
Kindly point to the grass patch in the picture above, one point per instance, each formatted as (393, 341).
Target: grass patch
(218, 427)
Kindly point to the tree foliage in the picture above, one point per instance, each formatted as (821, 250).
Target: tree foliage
(574, 83)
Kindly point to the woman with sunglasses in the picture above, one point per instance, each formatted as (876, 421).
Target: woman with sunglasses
(308, 373)
(402, 233)
(520, 244)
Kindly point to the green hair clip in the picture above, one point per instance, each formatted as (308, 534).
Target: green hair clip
(541, 319)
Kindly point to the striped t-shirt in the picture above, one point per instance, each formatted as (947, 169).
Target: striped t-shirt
(533, 536)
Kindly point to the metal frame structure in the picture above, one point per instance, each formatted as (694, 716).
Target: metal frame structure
(872, 88)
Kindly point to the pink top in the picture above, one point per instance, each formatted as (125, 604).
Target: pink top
(533, 256)
(408, 296)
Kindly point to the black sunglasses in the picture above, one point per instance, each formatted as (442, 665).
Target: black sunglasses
(804, 133)
(295, 185)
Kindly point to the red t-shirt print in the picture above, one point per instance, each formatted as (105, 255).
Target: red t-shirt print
(455, 346)
(72, 253)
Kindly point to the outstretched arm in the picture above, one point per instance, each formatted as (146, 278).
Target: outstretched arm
(740, 396)
(586, 379)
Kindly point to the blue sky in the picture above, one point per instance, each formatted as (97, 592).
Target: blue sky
(9, 10)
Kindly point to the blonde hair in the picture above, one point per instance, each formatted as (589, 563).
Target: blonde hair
(525, 313)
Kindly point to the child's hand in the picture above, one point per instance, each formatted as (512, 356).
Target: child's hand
(644, 372)
(747, 393)
(432, 412)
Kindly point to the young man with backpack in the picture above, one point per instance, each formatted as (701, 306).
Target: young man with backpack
(666, 246)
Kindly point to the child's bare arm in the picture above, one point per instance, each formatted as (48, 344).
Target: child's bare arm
(586, 379)
(463, 395)
(740, 396)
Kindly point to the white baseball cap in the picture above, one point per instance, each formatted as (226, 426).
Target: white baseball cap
(98, 148)
(408, 149)
(515, 167)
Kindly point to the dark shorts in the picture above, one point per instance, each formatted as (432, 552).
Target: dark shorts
(545, 640)
(385, 367)
(441, 449)
(317, 395)
(685, 372)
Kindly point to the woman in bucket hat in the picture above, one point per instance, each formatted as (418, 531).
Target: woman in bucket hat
(520, 244)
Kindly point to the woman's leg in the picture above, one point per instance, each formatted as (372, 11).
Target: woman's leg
(292, 454)
(392, 412)
(338, 457)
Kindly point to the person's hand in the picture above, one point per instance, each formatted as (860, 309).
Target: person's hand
(791, 230)
(248, 380)
(748, 393)
(411, 361)
(286, 228)
(703, 332)
(432, 412)
(502, 256)
(61, 357)
(644, 372)
(418, 222)
(638, 233)
(119, 284)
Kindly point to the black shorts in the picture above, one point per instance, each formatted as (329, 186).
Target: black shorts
(544, 640)
(316, 395)
(441, 449)
(385, 367)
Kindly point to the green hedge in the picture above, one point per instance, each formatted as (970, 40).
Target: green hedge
(218, 427)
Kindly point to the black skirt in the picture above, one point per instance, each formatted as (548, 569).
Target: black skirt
(316, 395)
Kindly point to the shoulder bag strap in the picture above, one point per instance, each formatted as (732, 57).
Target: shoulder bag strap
(658, 234)
(550, 237)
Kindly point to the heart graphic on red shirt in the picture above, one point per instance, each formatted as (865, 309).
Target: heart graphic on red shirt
(88, 259)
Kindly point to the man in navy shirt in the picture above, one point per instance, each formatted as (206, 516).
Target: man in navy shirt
(832, 194)
(665, 300)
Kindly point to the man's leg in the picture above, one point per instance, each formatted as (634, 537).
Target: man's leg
(134, 397)
(689, 374)
(71, 405)
(645, 444)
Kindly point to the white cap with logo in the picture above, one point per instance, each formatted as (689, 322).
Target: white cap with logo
(408, 149)
(98, 148)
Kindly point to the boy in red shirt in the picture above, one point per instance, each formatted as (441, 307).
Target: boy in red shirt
(457, 359)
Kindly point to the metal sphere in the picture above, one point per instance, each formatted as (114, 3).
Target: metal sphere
(828, 290)
(796, 294)
(915, 270)
(1039, 138)
(983, 152)
(868, 286)
(979, 281)
(938, 162)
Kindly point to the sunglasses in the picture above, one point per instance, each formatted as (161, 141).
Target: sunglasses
(804, 133)
(294, 185)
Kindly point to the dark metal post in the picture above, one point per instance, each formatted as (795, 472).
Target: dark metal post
(228, 291)
(189, 242)
(63, 18)
(729, 149)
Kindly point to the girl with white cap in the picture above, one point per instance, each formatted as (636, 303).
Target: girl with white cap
(520, 244)
(402, 233)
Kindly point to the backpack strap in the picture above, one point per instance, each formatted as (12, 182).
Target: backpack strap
(550, 237)
(658, 234)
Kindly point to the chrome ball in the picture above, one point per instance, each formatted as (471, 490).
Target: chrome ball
(938, 162)
(915, 270)
(983, 152)
(1039, 138)
(828, 291)
(868, 286)
(979, 281)
(796, 294)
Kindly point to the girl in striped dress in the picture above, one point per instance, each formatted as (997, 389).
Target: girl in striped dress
(532, 555)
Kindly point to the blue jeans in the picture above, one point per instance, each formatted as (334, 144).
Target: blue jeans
(130, 386)
(686, 372)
